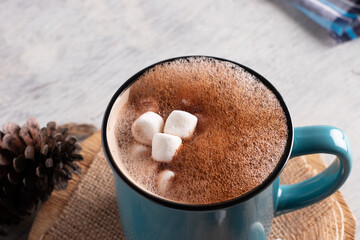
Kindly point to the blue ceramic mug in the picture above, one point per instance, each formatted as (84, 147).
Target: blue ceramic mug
(146, 216)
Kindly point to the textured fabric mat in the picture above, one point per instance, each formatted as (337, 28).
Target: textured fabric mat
(91, 212)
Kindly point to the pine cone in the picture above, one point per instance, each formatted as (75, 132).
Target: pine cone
(33, 162)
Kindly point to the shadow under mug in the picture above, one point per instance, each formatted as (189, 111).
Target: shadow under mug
(147, 216)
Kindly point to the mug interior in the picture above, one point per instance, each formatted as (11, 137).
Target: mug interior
(112, 152)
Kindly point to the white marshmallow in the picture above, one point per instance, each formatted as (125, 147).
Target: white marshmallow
(181, 124)
(164, 147)
(164, 179)
(137, 149)
(144, 128)
(151, 168)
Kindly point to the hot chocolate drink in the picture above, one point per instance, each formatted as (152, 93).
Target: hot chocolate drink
(240, 134)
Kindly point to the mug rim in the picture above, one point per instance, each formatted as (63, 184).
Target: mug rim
(199, 207)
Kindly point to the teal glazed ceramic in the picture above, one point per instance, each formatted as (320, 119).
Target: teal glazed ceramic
(146, 216)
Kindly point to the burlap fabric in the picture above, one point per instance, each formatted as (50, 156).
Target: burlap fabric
(91, 212)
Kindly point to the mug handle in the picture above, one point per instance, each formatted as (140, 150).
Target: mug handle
(309, 140)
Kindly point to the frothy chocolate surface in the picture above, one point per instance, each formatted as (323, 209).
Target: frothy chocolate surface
(240, 136)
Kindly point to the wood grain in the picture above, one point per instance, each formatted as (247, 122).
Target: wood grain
(50, 210)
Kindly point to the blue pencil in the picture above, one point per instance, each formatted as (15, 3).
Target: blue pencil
(341, 18)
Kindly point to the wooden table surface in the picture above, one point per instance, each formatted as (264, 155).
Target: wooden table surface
(63, 60)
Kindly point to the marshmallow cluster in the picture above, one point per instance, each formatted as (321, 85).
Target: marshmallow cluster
(147, 129)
